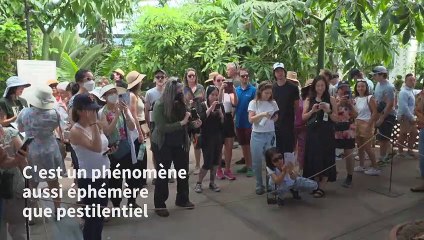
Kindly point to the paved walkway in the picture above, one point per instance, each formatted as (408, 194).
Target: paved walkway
(237, 213)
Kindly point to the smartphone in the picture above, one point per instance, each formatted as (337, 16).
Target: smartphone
(194, 114)
(106, 152)
(26, 144)
(217, 107)
(229, 88)
(275, 114)
(125, 98)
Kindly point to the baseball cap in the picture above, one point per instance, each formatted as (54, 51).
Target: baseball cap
(278, 65)
(160, 71)
(343, 84)
(354, 72)
(379, 69)
(85, 101)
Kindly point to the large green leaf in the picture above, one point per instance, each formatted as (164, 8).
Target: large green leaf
(91, 56)
(68, 67)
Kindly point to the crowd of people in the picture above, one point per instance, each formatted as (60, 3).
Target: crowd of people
(292, 130)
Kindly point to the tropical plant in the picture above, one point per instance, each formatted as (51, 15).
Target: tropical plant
(47, 15)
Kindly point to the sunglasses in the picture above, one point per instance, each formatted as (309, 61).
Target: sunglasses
(160, 77)
(191, 76)
(277, 158)
(219, 80)
(244, 76)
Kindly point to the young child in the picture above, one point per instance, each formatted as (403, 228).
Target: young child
(283, 178)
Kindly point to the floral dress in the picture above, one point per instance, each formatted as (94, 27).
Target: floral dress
(43, 151)
(345, 127)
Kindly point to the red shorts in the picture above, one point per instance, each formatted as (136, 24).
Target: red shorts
(243, 136)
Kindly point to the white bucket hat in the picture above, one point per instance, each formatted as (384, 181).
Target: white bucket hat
(109, 87)
(41, 97)
(96, 92)
(62, 85)
(14, 81)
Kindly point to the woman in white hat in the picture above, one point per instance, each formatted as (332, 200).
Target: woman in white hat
(135, 79)
(39, 122)
(12, 103)
(117, 123)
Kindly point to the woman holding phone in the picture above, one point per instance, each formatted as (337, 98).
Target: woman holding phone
(320, 113)
(90, 144)
(262, 114)
(212, 117)
(117, 123)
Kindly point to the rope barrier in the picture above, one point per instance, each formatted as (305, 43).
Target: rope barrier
(232, 201)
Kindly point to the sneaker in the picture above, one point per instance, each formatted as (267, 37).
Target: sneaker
(241, 161)
(196, 171)
(373, 172)
(214, 187)
(347, 183)
(359, 169)
(229, 175)
(220, 174)
(187, 205)
(198, 188)
(250, 173)
(260, 191)
(162, 212)
(242, 170)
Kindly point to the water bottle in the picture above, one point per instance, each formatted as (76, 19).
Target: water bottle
(141, 151)
(263, 121)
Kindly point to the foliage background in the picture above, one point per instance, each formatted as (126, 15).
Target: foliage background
(305, 35)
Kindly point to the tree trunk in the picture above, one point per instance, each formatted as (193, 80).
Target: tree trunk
(321, 45)
(46, 46)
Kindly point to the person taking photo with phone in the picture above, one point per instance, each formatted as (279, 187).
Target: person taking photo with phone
(212, 117)
(345, 128)
(117, 122)
(171, 144)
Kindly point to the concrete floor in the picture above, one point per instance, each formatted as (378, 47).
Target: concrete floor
(237, 213)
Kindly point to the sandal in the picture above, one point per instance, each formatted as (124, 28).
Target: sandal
(319, 193)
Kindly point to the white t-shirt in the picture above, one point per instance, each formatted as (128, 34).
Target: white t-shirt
(228, 106)
(361, 104)
(260, 107)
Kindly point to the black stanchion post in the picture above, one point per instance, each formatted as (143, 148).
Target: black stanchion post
(383, 190)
